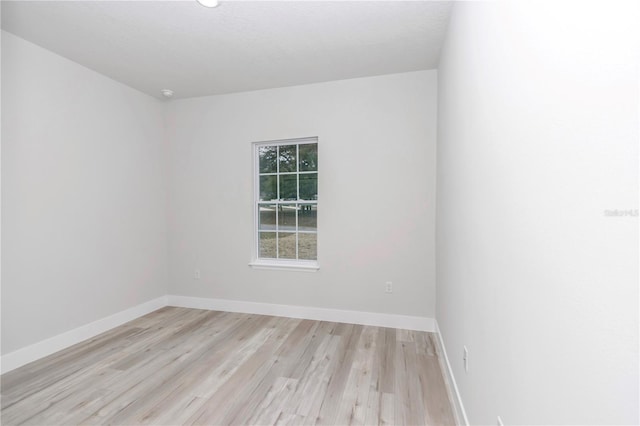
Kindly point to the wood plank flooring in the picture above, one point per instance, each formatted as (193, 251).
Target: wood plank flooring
(189, 366)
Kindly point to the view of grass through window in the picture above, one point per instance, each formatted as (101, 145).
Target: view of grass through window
(288, 200)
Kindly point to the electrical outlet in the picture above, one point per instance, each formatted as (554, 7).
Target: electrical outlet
(388, 287)
(499, 422)
(196, 274)
(465, 359)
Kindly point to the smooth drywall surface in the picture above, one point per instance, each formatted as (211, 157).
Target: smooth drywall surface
(376, 193)
(538, 144)
(83, 196)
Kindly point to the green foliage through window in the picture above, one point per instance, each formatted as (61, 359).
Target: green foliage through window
(287, 200)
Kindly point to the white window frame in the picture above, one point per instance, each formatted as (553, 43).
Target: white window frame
(281, 264)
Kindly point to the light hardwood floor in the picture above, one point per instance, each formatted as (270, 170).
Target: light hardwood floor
(189, 366)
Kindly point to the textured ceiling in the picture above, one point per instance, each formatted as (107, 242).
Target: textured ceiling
(241, 45)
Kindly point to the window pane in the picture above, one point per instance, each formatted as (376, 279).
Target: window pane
(287, 218)
(308, 217)
(309, 186)
(268, 188)
(267, 217)
(288, 187)
(308, 246)
(268, 157)
(286, 245)
(268, 244)
(288, 158)
(287, 174)
(309, 157)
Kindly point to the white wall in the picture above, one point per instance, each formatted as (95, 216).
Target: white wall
(538, 136)
(83, 196)
(376, 190)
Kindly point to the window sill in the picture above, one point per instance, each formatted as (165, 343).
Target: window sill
(304, 266)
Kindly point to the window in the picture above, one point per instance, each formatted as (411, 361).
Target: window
(286, 203)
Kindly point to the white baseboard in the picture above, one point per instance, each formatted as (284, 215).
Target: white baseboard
(46, 347)
(461, 414)
(306, 312)
(31, 353)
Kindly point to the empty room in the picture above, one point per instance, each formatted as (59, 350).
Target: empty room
(320, 212)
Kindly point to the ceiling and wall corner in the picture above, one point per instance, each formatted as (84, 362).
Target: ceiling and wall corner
(238, 46)
(107, 150)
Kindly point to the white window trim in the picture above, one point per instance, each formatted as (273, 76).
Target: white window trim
(283, 265)
(276, 264)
